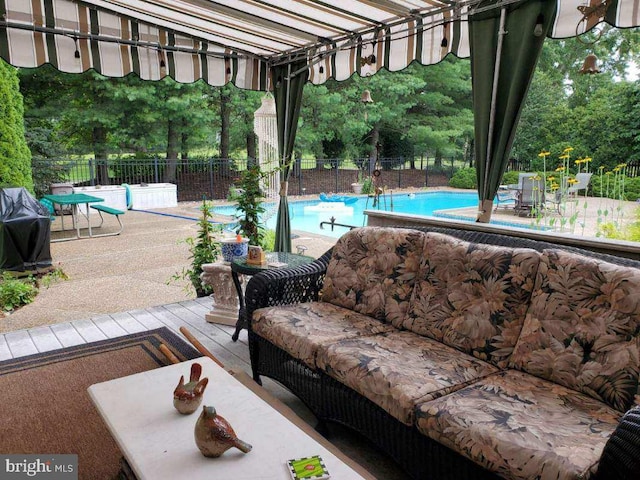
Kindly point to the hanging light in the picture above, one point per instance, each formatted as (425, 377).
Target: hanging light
(77, 52)
(590, 65)
(444, 43)
(537, 30)
(366, 99)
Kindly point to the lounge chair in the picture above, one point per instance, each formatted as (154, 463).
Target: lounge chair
(571, 191)
(582, 183)
(505, 198)
(530, 196)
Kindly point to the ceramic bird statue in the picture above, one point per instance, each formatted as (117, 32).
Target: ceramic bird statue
(188, 396)
(214, 435)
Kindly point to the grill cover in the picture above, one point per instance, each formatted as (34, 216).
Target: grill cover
(25, 231)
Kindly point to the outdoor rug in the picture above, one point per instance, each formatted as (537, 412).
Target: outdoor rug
(45, 407)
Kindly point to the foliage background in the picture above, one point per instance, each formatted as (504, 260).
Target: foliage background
(420, 112)
(15, 157)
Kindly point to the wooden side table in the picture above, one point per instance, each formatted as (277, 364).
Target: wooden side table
(274, 260)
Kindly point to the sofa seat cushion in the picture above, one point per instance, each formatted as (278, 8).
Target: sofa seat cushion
(300, 329)
(372, 271)
(583, 328)
(521, 426)
(400, 369)
(473, 297)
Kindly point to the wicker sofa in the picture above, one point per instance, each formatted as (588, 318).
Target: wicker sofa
(462, 354)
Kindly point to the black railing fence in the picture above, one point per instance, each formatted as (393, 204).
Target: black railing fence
(212, 178)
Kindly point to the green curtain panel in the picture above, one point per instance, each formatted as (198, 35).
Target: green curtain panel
(288, 96)
(520, 51)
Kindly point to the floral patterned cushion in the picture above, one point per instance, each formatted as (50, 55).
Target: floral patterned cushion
(472, 297)
(583, 328)
(300, 329)
(372, 271)
(400, 369)
(522, 427)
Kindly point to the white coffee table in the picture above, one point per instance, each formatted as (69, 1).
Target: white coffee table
(158, 442)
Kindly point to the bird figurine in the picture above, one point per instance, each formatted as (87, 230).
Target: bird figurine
(188, 396)
(214, 435)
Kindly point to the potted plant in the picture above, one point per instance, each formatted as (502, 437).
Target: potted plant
(357, 185)
(250, 204)
(205, 248)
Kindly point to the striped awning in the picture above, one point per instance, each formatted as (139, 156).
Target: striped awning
(240, 40)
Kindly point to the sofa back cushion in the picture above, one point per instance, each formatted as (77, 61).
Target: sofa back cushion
(583, 327)
(472, 297)
(372, 271)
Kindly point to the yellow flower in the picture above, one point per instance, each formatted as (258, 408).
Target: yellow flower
(551, 178)
(544, 153)
(571, 181)
(567, 150)
(564, 157)
(601, 167)
(578, 161)
(535, 178)
(560, 169)
(622, 165)
(587, 159)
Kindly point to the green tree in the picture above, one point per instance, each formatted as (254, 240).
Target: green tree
(15, 157)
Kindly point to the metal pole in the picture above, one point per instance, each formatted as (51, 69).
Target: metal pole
(92, 173)
(211, 184)
(494, 95)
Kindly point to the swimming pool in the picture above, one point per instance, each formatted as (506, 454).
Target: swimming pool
(308, 220)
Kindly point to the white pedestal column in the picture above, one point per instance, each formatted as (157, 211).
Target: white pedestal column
(225, 296)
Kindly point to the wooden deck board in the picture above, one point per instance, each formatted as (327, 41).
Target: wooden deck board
(88, 330)
(147, 319)
(190, 314)
(128, 322)
(67, 335)
(44, 339)
(5, 353)
(204, 332)
(108, 326)
(20, 343)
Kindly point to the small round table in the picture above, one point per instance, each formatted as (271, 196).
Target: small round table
(274, 260)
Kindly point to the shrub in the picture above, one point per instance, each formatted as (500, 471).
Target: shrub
(205, 248)
(464, 178)
(367, 186)
(250, 203)
(599, 187)
(15, 292)
(510, 178)
(15, 156)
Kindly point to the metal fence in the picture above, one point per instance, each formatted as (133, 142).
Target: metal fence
(212, 178)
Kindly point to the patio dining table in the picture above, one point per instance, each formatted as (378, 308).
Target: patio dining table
(73, 200)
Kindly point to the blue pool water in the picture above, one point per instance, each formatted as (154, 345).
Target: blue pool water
(309, 221)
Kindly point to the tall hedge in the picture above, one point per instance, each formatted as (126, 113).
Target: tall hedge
(15, 157)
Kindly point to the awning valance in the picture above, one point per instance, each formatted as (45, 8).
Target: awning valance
(240, 40)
